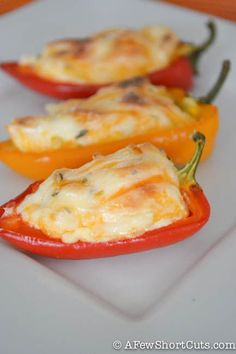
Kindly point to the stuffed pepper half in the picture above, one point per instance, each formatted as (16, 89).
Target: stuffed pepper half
(132, 200)
(72, 68)
(130, 112)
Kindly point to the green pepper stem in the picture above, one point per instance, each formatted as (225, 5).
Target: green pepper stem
(198, 50)
(211, 95)
(187, 173)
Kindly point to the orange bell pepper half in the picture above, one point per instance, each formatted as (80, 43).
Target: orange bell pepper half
(175, 141)
(179, 74)
(20, 234)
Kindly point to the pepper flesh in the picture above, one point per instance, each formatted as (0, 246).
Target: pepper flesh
(14, 230)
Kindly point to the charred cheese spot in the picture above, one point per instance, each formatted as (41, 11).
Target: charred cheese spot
(133, 98)
(113, 113)
(136, 81)
(109, 56)
(105, 200)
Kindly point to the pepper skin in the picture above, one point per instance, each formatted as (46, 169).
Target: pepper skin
(179, 74)
(14, 230)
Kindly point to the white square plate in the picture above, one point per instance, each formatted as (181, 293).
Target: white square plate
(185, 291)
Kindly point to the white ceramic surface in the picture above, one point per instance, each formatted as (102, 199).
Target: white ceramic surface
(185, 291)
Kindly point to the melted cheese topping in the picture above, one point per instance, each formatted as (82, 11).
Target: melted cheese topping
(109, 56)
(128, 109)
(113, 197)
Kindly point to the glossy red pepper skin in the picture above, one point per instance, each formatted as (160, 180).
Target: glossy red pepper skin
(178, 74)
(14, 230)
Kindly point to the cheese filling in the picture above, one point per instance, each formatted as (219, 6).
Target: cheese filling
(113, 197)
(112, 55)
(128, 109)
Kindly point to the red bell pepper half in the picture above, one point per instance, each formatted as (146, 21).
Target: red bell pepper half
(178, 74)
(23, 236)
